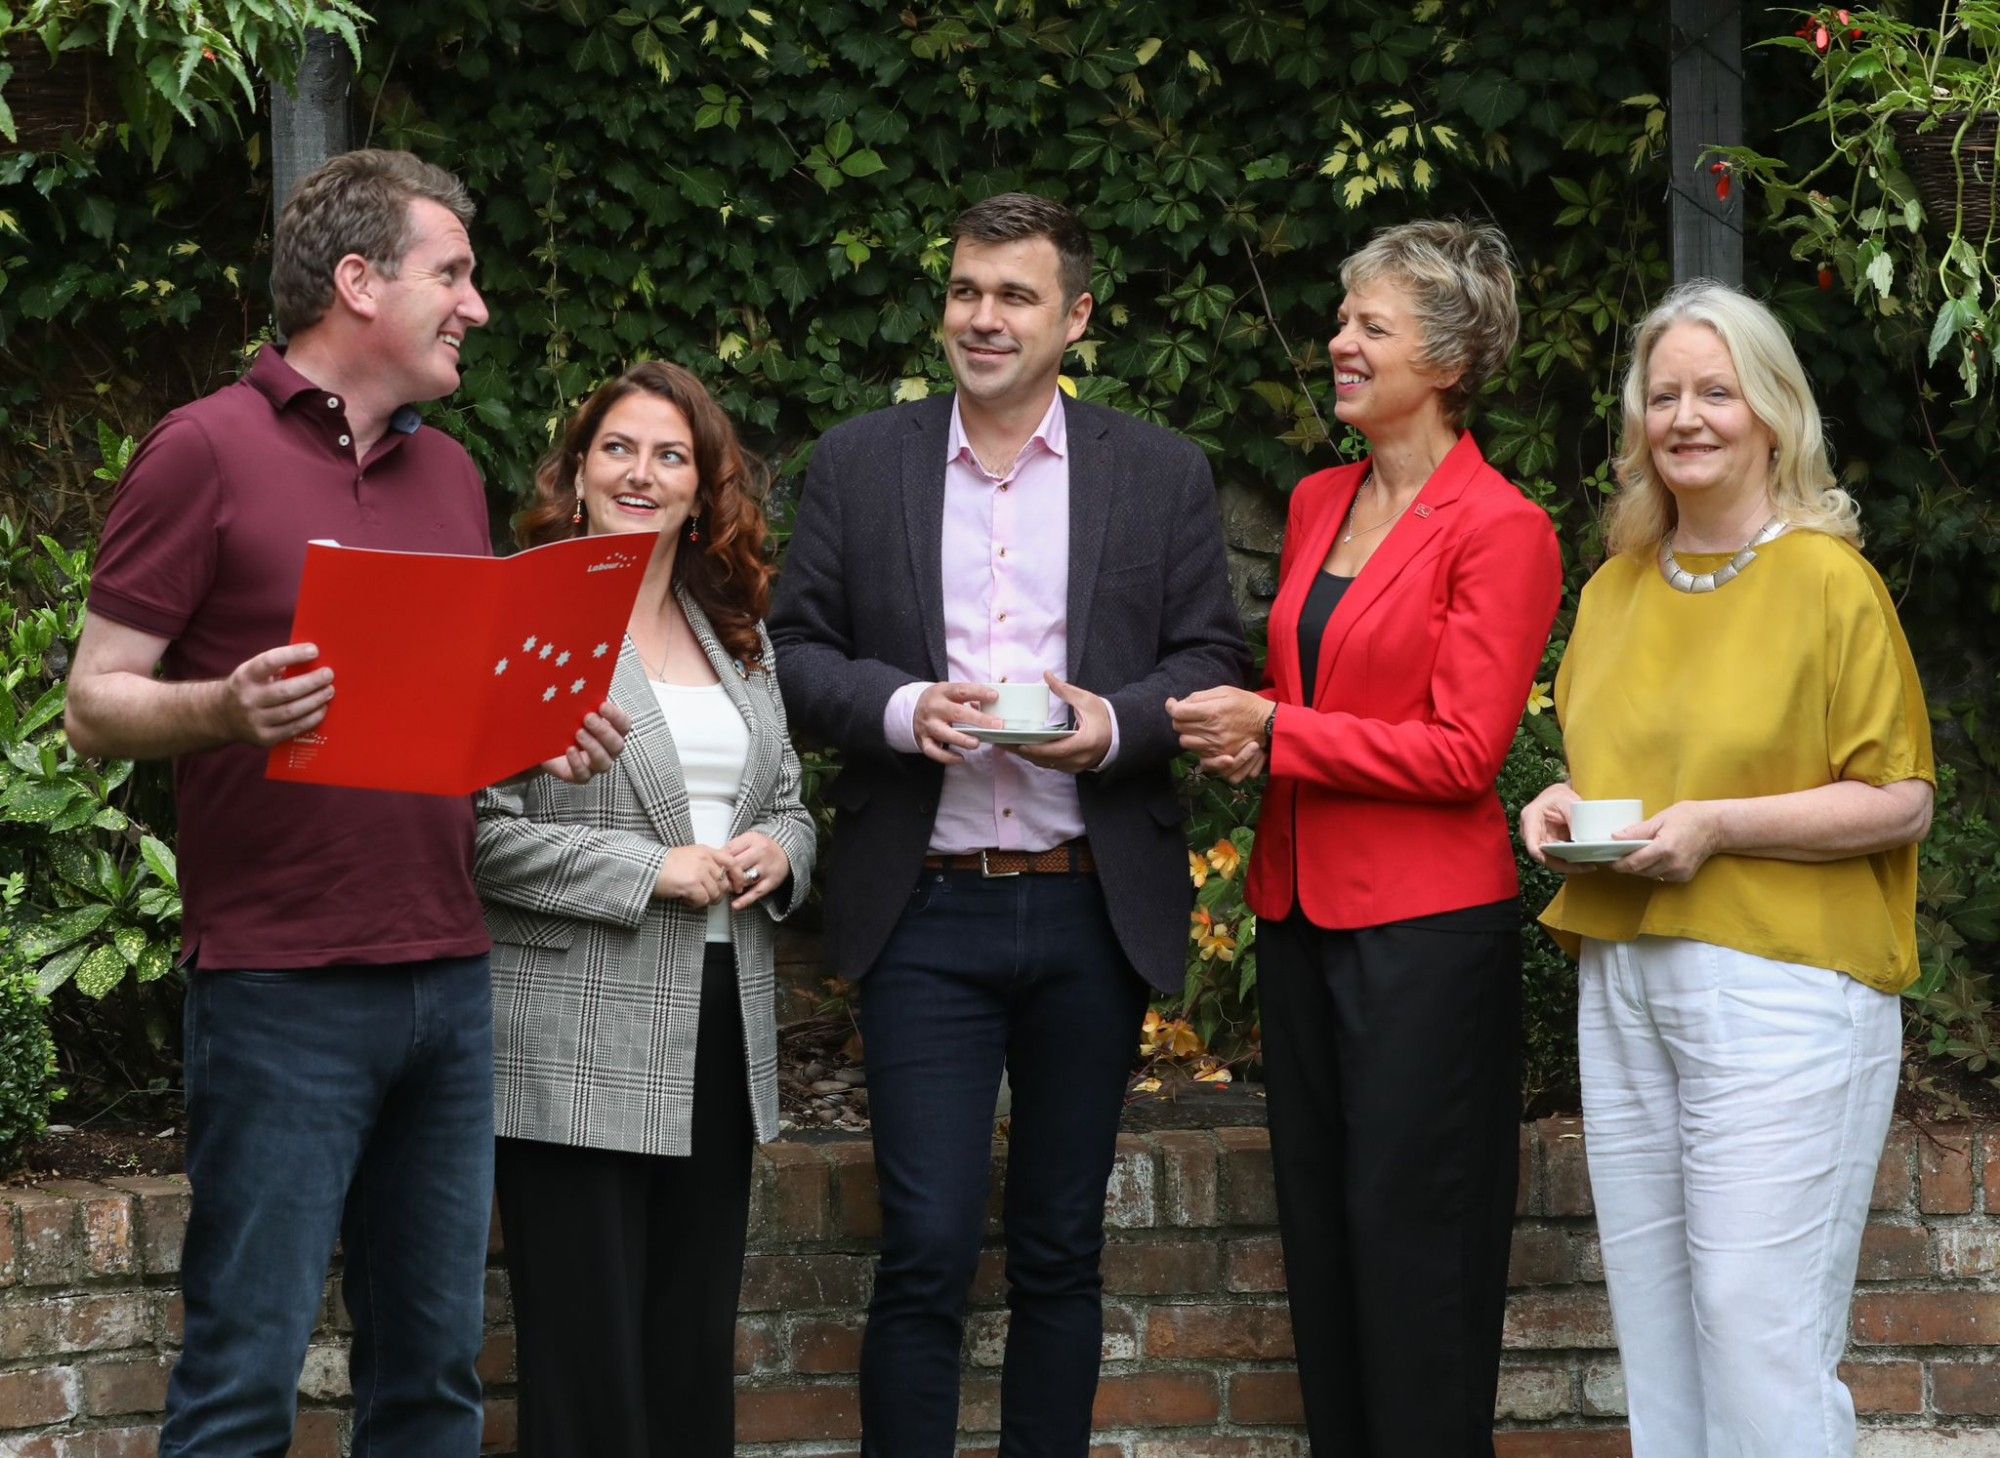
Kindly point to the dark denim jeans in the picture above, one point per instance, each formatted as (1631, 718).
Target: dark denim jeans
(354, 1102)
(1024, 971)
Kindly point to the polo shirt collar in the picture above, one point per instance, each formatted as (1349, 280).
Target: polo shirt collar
(273, 377)
(1053, 433)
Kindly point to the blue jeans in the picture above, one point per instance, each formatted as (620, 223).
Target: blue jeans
(1026, 972)
(349, 1102)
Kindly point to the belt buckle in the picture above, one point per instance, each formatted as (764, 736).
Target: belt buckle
(992, 875)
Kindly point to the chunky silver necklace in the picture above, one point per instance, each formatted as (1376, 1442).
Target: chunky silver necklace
(1682, 580)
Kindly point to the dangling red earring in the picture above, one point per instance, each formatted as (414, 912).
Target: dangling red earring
(576, 517)
(694, 527)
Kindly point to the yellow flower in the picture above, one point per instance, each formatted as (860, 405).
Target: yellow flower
(1197, 869)
(1224, 856)
(1170, 1036)
(1538, 699)
(1216, 940)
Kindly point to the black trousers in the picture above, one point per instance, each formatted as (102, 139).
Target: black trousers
(625, 1269)
(1392, 1055)
(1025, 972)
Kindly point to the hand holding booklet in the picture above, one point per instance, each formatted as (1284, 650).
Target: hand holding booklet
(453, 673)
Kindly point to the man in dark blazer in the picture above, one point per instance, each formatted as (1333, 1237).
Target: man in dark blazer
(1003, 904)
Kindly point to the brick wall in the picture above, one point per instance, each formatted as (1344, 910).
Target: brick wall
(1196, 1345)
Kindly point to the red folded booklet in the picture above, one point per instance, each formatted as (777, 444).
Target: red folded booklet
(452, 673)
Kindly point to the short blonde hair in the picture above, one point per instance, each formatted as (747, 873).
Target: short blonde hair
(1461, 278)
(1775, 388)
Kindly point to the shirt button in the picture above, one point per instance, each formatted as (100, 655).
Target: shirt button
(1003, 485)
(1003, 551)
(332, 402)
(1007, 813)
(345, 441)
(1003, 617)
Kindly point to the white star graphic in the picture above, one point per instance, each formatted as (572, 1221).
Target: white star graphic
(562, 658)
(529, 645)
(548, 693)
(547, 649)
(600, 650)
(576, 687)
(499, 668)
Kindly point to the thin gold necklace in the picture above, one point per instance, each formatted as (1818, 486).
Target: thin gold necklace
(1352, 530)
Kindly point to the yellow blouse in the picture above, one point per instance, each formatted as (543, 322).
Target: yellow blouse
(1794, 675)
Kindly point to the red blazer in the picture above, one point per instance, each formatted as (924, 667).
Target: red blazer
(1387, 787)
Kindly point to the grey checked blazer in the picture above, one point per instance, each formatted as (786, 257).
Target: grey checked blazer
(597, 985)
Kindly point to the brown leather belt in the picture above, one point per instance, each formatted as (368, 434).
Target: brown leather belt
(1070, 856)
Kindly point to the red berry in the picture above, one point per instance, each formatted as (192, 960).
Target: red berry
(1821, 40)
(1722, 188)
(1842, 16)
(1825, 278)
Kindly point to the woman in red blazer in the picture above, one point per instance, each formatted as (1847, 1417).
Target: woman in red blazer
(1415, 597)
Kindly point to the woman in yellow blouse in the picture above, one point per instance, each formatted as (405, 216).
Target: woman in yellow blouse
(1737, 667)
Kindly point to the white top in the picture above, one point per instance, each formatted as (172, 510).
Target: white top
(714, 744)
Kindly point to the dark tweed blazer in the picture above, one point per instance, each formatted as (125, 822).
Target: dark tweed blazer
(596, 985)
(860, 612)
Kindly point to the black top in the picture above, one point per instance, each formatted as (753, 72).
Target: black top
(1327, 591)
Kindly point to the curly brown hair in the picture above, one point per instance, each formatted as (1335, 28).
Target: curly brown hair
(728, 572)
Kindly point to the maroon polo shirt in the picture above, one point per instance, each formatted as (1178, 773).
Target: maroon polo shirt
(204, 546)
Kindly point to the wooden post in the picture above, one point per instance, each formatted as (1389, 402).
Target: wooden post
(1706, 110)
(311, 123)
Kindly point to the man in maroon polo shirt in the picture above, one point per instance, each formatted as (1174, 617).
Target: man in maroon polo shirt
(338, 1063)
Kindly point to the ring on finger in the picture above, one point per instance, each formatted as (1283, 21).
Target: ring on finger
(753, 873)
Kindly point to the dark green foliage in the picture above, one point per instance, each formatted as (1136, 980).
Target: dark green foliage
(762, 194)
(27, 1052)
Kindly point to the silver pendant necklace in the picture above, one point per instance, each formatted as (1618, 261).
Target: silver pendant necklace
(1682, 580)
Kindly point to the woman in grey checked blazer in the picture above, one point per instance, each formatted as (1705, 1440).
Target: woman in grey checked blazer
(635, 1039)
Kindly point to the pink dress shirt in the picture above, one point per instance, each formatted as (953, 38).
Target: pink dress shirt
(1006, 619)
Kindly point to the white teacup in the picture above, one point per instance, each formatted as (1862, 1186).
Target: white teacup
(1601, 820)
(1020, 705)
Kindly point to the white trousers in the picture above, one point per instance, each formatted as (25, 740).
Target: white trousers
(1734, 1112)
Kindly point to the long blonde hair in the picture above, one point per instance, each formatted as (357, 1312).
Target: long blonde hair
(1774, 387)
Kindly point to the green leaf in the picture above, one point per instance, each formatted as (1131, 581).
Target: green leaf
(864, 163)
(1953, 317)
(100, 971)
(45, 938)
(1882, 273)
(1490, 98)
(28, 802)
(58, 970)
(154, 963)
(130, 942)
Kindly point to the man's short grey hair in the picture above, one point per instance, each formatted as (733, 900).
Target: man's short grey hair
(358, 202)
(1012, 216)
(1460, 277)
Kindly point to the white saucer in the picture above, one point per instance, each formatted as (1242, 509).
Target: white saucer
(1590, 852)
(1013, 736)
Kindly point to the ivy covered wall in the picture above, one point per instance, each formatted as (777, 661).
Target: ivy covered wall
(762, 193)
